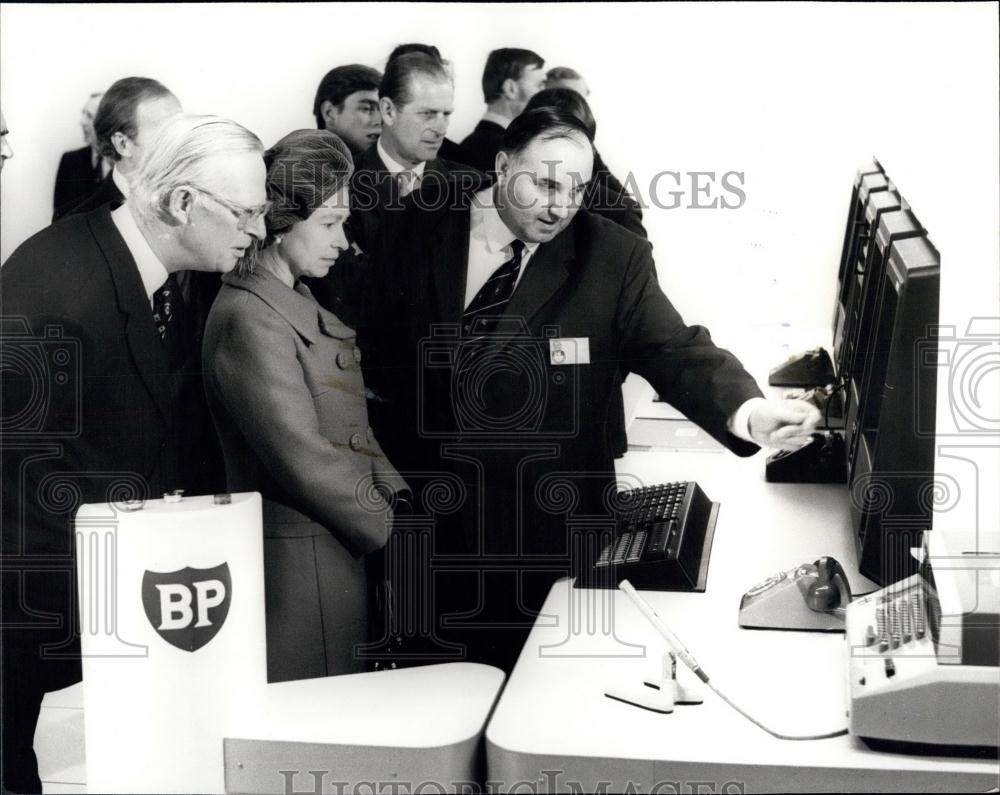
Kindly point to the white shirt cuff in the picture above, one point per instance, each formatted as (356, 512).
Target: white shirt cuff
(739, 423)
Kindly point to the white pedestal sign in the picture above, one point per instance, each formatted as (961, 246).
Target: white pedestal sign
(172, 634)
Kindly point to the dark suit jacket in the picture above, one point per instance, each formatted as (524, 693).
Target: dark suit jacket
(454, 152)
(99, 415)
(76, 179)
(605, 195)
(513, 419)
(483, 143)
(107, 194)
(373, 195)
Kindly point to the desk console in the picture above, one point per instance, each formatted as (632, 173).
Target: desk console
(923, 653)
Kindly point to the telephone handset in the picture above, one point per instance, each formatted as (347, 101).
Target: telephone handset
(812, 596)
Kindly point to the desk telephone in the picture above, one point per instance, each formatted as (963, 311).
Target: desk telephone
(812, 596)
(662, 542)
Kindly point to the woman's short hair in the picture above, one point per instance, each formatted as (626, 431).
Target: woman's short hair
(304, 169)
(568, 100)
(180, 155)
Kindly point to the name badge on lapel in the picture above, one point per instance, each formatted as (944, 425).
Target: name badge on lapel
(569, 350)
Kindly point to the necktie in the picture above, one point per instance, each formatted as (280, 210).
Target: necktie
(407, 182)
(168, 315)
(489, 303)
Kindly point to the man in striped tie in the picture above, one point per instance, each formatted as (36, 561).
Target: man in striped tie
(493, 333)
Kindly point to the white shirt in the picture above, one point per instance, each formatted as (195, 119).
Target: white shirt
(394, 168)
(489, 245)
(120, 181)
(151, 270)
(496, 118)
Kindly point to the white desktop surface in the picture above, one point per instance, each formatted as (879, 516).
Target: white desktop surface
(423, 707)
(553, 715)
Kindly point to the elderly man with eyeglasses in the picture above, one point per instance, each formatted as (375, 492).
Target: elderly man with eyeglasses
(116, 408)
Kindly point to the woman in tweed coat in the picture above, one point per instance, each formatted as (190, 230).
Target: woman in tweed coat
(285, 388)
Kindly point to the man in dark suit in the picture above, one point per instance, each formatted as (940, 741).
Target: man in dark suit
(510, 78)
(80, 171)
(416, 98)
(127, 120)
(493, 331)
(106, 402)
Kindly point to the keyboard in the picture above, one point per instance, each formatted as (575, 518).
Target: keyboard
(662, 540)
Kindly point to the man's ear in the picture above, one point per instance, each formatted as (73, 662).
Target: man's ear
(502, 166)
(180, 204)
(327, 111)
(122, 144)
(509, 88)
(388, 110)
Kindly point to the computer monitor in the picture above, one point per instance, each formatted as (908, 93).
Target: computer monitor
(891, 475)
(892, 226)
(866, 183)
(857, 277)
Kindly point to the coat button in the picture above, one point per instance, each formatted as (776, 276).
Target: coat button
(357, 442)
(344, 360)
(357, 354)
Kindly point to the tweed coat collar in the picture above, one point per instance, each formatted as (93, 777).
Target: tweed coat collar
(297, 306)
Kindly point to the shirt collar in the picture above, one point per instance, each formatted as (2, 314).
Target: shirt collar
(120, 181)
(496, 118)
(486, 223)
(151, 270)
(394, 167)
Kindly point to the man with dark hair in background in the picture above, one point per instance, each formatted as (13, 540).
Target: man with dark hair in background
(81, 170)
(346, 104)
(510, 78)
(416, 99)
(131, 112)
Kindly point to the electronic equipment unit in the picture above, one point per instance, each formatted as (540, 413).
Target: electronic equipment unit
(662, 540)
(923, 652)
(892, 461)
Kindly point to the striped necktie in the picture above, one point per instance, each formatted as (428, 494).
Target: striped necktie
(489, 303)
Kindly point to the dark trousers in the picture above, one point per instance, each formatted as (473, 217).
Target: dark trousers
(26, 677)
(427, 610)
(35, 658)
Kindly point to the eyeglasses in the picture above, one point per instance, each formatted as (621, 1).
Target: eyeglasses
(245, 216)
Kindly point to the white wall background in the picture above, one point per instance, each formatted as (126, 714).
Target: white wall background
(796, 96)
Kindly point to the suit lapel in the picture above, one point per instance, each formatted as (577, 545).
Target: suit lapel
(544, 274)
(448, 251)
(147, 351)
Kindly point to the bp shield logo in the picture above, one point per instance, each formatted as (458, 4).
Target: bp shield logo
(187, 607)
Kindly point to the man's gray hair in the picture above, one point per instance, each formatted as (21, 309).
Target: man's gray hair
(179, 156)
